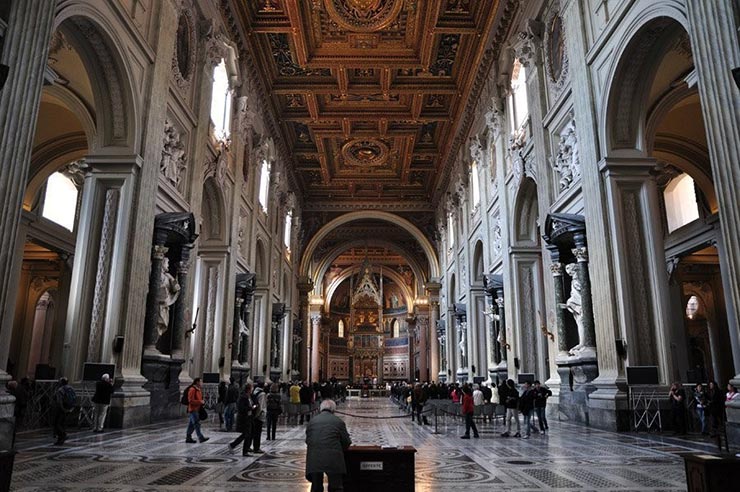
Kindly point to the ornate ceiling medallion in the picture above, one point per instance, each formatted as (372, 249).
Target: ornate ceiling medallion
(368, 152)
(363, 15)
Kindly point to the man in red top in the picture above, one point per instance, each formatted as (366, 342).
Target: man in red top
(467, 410)
(195, 402)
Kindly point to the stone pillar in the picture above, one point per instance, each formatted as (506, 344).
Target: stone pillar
(287, 344)
(411, 330)
(423, 327)
(314, 345)
(433, 287)
(25, 50)
(159, 250)
(305, 286)
(589, 333)
(556, 268)
(180, 322)
(714, 42)
(236, 330)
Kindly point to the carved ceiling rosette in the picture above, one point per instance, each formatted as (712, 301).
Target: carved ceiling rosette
(363, 15)
(364, 153)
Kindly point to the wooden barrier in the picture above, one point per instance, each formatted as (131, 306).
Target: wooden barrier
(373, 468)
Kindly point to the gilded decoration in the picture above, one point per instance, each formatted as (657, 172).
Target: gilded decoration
(284, 62)
(365, 153)
(363, 15)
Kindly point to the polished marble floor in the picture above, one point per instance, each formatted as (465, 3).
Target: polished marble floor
(156, 458)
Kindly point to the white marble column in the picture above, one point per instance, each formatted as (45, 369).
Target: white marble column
(25, 50)
(315, 341)
(432, 288)
(286, 342)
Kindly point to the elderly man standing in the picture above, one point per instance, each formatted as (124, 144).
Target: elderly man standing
(101, 399)
(327, 438)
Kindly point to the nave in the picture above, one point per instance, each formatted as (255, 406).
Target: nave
(155, 457)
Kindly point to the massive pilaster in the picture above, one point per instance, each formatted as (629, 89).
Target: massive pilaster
(314, 345)
(433, 287)
(714, 42)
(25, 50)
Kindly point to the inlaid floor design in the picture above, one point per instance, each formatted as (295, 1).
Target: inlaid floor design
(156, 458)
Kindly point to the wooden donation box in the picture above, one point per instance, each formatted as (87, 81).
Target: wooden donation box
(711, 473)
(374, 468)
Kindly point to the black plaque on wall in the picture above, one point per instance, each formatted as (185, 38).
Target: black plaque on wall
(94, 371)
(211, 378)
(637, 375)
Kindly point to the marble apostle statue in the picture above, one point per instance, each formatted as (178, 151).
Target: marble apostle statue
(169, 291)
(574, 306)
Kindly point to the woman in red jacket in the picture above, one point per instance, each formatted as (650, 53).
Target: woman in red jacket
(468, 410)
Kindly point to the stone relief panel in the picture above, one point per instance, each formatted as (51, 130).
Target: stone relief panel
(497, 241)
(172, 165)
(566, 163)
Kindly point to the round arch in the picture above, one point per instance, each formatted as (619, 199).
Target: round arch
(338, 250)
(370, 214)
(260, 262)
(213, 226)
(632, 70)
(526, 212)
(97, 42)
(395, 276)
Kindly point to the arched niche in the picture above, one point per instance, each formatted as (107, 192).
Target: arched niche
(305, 266)
(261, 263)
(478, 263)
(213, 225)
(526, 214)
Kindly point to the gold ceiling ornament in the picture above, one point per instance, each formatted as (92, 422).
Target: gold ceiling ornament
(365, 152)
(363, 15)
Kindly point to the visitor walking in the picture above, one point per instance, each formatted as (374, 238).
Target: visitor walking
(306, 396)
(195, 404)
(715, 407)
(526, 407)
(419, 398)
(541, 394)
(221, 403)
(232, 397)
(101, 399)
(327, 439)
(259, 399)
(510, 398)
(468, 409)
(65, 400)
(274, 409)
(244, 418)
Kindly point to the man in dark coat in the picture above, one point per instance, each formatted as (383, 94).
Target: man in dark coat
(306, 395)
(245, 408)
(327, 438)
(101, 399)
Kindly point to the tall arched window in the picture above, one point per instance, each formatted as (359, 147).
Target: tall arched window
(221, 102)
(396, 329)
(680, 202)
(518, 97)
(264, 184)
(340, 328)
(475, 183)
(451, 229)
(60, 201)
(288, 229)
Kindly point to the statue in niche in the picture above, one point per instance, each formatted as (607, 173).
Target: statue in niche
(169, 291)
(173, 155)
(394, 300)
(574, 306)
(463, 345)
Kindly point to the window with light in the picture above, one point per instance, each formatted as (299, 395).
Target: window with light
(340, 329)
(475, 182)
(680, 202)
(60, 201)
(264, 184)
(451, 229)
(396, 329)
(221, 102)
(288, 229)
(518, 97)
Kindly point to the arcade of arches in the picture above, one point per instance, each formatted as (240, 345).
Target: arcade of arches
(371, 191)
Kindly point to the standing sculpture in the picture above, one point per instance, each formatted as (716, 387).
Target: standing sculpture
(574, 306)
(169, 291)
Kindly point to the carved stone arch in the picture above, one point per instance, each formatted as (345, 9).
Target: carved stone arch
(478, 267)
(395, 276)
(526, 214)
(370, 214)
(325, 264)
(95, 39)
(213, 213)
(645, 41)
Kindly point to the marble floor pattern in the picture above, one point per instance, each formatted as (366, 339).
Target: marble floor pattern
(156, 458)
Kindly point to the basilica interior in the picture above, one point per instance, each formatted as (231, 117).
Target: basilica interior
(372, 192)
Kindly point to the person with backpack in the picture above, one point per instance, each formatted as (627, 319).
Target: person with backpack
(526, 407)
(193, 398)
(65, 400)
(244, 419)
(259, 401)
(274, 409)
(509, 396)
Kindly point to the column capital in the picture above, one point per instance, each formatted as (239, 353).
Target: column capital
(158, 251)
(581, 254)
(556, 269)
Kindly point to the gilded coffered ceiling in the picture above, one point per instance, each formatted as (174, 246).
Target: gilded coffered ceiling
(369, 94)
